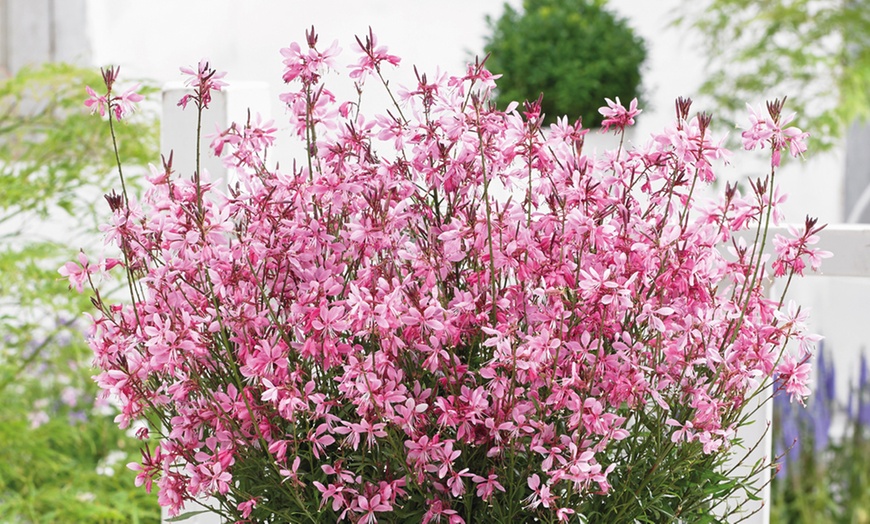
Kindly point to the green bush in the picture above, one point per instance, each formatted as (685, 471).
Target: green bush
(575, 52)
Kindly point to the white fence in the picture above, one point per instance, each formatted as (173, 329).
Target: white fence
(849, 242)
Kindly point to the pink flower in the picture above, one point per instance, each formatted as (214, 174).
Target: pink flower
(437, 510)
(332, 491)
(372, 57)
(795, 375)
(96, 102)
(79, 274)
(355, 431)
(124, 103)
(204, 79)
(617, 115)
(684, 433)
(487, 486)
(247, 507)
(121, 105)
(369, 506)
(541, 495)
(772, 130)
(564, 514)
(308, 65)
(791, 251)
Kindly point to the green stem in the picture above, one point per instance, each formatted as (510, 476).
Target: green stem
(493, 313)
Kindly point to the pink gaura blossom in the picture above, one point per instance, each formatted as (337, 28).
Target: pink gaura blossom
(486, 487)
(369, 506)
(308, 65)
(96, 103)
(372, 55)
(772, 130)
(203, 79)
(334, 492)
(541, 495)
(437, 510)
(120, 105)
(124, 103)
(616, 115)
(794, 374)
(80, 273)
(247, 507)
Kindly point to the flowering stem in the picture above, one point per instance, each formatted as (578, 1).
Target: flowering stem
(124, 247)
(493, 314)
(390, 93)
(196, 172)
(118, 157)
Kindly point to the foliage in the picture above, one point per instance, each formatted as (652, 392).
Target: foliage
(816, 52)
(380, 333)
(54, 437)
(574, 52)
(824, 477)
(50, 147)
(63, 458)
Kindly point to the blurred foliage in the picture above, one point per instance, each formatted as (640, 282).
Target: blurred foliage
(51, 147)
(825, 474)
(71, 467)
(62, 459)
(575, 52)
(816, 52)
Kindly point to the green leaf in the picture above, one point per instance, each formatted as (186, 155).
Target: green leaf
(188, 515)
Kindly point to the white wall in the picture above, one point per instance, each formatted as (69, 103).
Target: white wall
(36, 31)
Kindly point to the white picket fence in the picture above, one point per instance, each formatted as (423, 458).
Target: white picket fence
(849, 242)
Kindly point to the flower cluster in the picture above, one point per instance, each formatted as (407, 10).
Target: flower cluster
(120, 105)
(771, 129)
(204, 79)
(378, 333)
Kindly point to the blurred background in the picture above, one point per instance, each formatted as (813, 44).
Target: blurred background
(58, 448)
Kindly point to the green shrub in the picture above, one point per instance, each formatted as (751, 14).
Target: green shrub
(575, 52)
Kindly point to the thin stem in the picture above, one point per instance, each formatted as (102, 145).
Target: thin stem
(198, 167)
(493, 313)
(118, 158)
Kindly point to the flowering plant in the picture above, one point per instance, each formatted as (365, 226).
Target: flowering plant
(446, 313)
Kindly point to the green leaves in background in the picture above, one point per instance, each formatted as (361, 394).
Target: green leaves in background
(815, 52)
(62, 458)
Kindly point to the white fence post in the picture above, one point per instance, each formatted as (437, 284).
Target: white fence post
(33, 32)
(850, 244)
(28, 39)
(178, 134)
(178, 126)
(757, 433)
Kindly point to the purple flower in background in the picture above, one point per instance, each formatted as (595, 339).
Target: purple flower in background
(827, 376)
(863, 409)
(823, 401)
(77, 417)
(787, 443)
